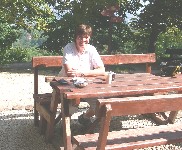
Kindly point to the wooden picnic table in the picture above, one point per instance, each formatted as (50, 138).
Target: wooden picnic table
(124, 85)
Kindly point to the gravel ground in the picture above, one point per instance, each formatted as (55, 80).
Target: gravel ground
(17, 130)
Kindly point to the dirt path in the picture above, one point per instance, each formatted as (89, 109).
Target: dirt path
(17, 87)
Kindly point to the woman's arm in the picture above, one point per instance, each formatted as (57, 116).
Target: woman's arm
(96, 72)
(99, 71)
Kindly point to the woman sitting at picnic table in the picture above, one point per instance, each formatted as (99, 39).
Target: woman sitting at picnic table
(80, 59)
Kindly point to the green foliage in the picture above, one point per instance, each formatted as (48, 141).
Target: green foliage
(22, 54)
(29, 39)
(153, 29)
(170, 39)
(25, 46)
(26, 14)
(14, 55)
(61, 31)
(8, 34)
(156, 17)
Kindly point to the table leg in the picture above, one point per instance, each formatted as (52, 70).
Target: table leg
(172, 116)
(66, 124)
(51, 122)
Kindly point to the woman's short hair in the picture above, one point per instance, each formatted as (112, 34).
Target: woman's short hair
(83, 30)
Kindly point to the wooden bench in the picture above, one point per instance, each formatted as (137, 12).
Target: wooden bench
(42, 100)
(133, 138)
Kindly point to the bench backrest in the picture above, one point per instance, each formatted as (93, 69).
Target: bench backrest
(106, 108)
(56, 61)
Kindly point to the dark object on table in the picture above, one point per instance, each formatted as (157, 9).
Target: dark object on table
(171, 68)
(63, 81)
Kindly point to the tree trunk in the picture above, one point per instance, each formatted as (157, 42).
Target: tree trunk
(110, 38)
(152, 41)
(156, 30)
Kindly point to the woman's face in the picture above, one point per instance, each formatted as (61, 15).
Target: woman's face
(81, 42)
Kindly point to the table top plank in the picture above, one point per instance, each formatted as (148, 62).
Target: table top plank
(123, 85)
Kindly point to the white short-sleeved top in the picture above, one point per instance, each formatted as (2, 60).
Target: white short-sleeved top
(89, 60)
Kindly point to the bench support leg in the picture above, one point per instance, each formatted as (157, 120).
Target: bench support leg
(36, 115)
(51, 122)
(42, 125)
(162, 119)
(172, 116)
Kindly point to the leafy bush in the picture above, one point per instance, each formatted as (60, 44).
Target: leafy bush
(170, 39)
(8, 34)
(21, 54)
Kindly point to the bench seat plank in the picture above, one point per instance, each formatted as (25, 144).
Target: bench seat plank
(134, 138)
(143, 104)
